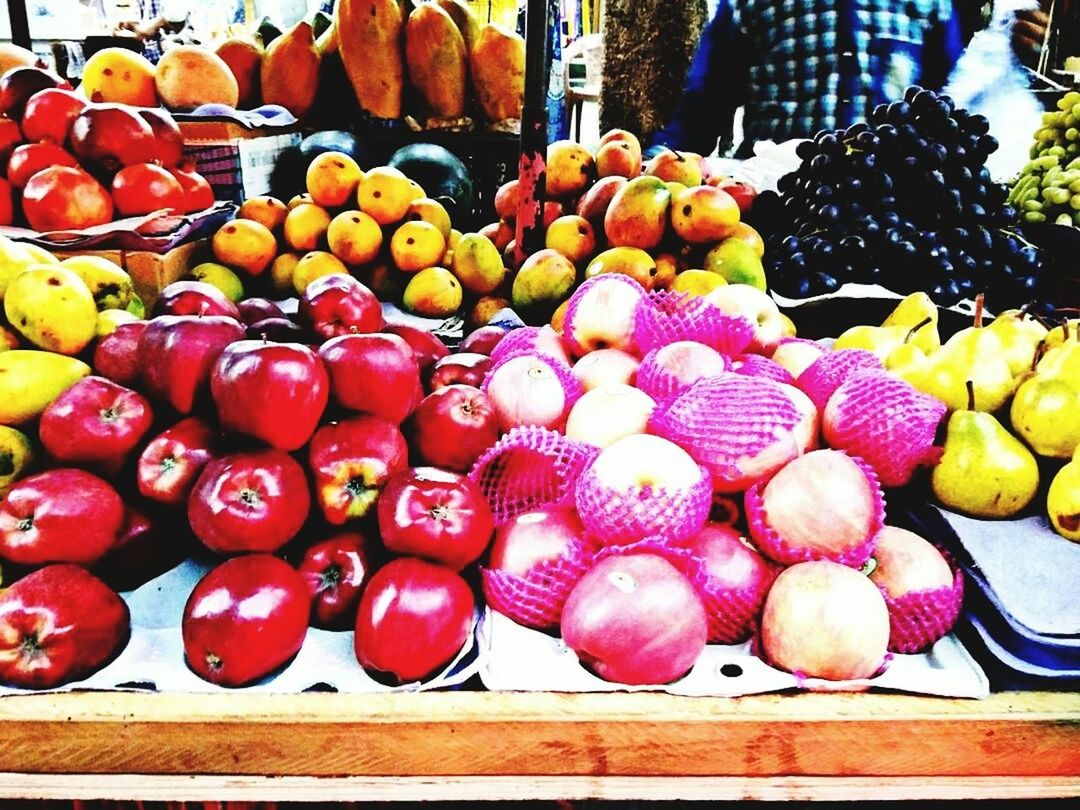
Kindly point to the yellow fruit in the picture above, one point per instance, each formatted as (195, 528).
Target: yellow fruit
(1063, 500)
(478, 264)
(486, 308)
(569, 170)
(16, 455)
(745, 233)
(703, 214)
(437, 61)
(39, 255)
(559, 318)
(572, 236)
(269, 212)
(220, 276)
(427, 210)
(119, 76)
(385, 194)
(544, 281)
(788, 325)
(109, 319)
(14, 258)
(332, 178)
(697, 282)
(737, 262)
(9, 339)
(299, 199)
(52, 307)
(354, 237)
(244, 59)
(188, 76)
(369, 40)
(497, 69)
(667, 267)
(289, 74)
(416, 245)
(627, 261)
(281, 272)
(245, 245)
(433, 293)
(305, 227)
(110, 286)
(416, 192)
(313, 265)
(453, 239)
(30, 380)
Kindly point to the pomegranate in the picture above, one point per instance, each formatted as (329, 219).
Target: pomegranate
(635, 619)
(168, 142)
(62, 198)
(49, 115)
(29, 159)
(198, 194)
(108, 136)
(145, 188)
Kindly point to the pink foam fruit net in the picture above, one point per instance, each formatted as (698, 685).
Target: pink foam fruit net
(666, 316)
(822, 377)
(756, 365)
(658, 382)
(582, 292)
(919, 618)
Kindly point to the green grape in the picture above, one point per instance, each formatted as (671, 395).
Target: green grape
(1057, 151)
(1072, 133)
(1074, 187)
(1057, 196)
(1063, 219)
(1072, 149)
(1075, 111)
(1069, 99)
(1034, 216)
(1033, 205)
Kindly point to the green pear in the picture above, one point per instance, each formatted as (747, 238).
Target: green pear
(1046, 414)
(1061, 361)
(984, 470)
(1020, 335)
(737, 262)
(883, 340)
(912, 311)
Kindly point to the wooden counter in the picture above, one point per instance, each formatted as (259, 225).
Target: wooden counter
(475, 745)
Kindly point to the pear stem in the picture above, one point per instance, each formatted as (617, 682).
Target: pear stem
(1040, 350)
(911, 332)
(979, 311)
(971, 395)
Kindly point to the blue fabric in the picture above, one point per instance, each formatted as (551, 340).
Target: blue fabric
(799, 66)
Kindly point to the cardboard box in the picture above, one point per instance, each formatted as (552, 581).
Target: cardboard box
(235, 160)
(151, 272)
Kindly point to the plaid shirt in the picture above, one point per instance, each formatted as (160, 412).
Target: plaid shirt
(799, 66)
(150, 10)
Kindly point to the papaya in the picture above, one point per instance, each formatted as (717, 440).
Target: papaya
(290, 70)
(497, 65)
(244, 59)
(436, 58)
(327, 41)
(464, 18)
(369, 38)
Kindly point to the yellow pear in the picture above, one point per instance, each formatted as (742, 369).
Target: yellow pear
(912, 311)
(1020, 335)
(1046, 414)
(1063, 500)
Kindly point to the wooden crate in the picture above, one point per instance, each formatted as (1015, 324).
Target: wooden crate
(152, 272)
(475, 745)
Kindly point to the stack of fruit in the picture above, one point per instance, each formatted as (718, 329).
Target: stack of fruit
(904, 201)
(76, 164)
(1048, 187)
(603, 483)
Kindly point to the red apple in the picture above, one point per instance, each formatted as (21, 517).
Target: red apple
(452, 427)
(483, 340)
(116, 356)
(533, 538)
(20, 84)
(61, 515)
(244, 619)
(178, 353)
(171, 462)
(253, 310)
(10, 137)
(95, 422)
(426, 346)
(352, 460)
(57, 625)
(275, 330)
(7, 203)
(108, 136)
(373, 373)
(194, 298)
(743, 193)
(49, 115)
(146, 548)
(435, 514)
(459, 369)
(29, 159)
(414, 617)
(336, 571)
(198, 193)
(339, 305)
(247, 502)
(275, 392)
(168, 140)
(635, 619)
(145, 188)
(62, 198)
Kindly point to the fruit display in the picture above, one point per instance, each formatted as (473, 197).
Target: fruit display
(905, 201)
(1047, 189)
(70, 164)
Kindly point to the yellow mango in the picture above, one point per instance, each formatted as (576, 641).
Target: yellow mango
(369, 40)
(497, 66)
(30, 380)
(16, 454)
(436, 58)
(52, 307)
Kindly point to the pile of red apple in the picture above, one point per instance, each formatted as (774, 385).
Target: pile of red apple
(67, 163)
(285, 464)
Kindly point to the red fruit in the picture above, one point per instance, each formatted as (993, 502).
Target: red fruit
(49, 115)
(459, 369)
(426, 346)
(743, 193)
(10, 137)
(351, 461)
(253, 310)
(108, 136)
(336, 571)
(275, 330)
(116, 356)
(178, 353)
(63, 198)
(172, 461)
(145, 188)
(194, 298)
(533, 538)
(730, 562)
(339, 305)
(59, 624)
(168, 140)
(247, 502)
(7, 203)
(594, 203)
(95, 422)
(245, 619)
(413, 619)
(552, 211)
(198, 193)
(374, 374)
(19, 84)
(29, 159)
(483, 340)
(635, 619)
(276, 392)
(62, 515)
(435, 514)
(906, 563)
(453, 426)
(145, 549)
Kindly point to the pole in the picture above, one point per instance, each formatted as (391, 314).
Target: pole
(529, 231)
(20, 23)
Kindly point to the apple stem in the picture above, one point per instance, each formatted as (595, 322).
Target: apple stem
(911, 332)
(979, 310)
(971, 395)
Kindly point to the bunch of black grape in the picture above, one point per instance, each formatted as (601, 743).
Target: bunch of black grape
(904, 201)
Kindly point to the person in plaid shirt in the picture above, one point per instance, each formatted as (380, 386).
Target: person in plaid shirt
(158, 17)
(800, 66)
